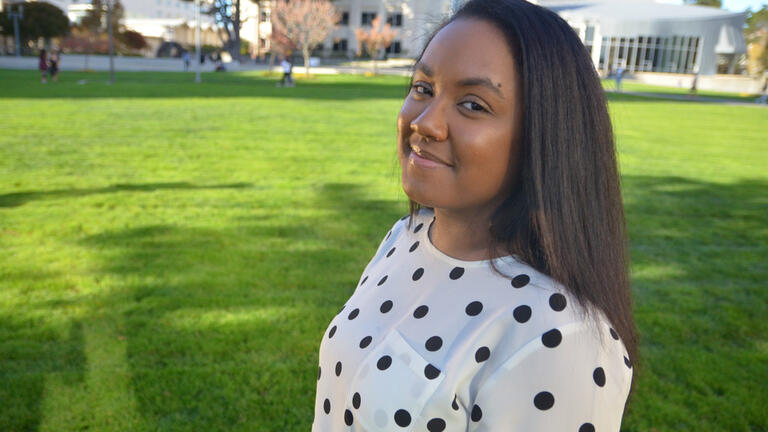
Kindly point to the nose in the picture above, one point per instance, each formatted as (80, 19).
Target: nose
(431, 123)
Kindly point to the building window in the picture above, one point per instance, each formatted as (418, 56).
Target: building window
(367, 18)
(340, 45)
(265, 15)
(344, 19)
(395, 20)
(394, 48)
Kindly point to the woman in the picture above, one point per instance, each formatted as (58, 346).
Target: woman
(502, 301)
(42, 66)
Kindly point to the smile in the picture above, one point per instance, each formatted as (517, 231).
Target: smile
(425, 159)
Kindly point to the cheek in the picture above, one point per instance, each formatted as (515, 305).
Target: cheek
(485, 158)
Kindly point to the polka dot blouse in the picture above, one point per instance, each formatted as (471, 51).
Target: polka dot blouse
(430, 343)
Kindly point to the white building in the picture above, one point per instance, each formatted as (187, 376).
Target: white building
(646, 36)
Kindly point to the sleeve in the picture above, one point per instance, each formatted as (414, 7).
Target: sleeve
(568, 379)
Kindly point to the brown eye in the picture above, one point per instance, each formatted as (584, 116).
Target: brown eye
(420, 89)
(473, 106)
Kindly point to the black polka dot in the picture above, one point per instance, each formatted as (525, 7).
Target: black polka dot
(522, 313)
(431, 372)
(327, 406)
(456, 273)
(364, 342)
(552, 338)
(391, 251)
(434, 343)
(544, 400)
(405, 217)
(363, 281)
(454, 405)
(352, 315)
(402, 418)
(388, 234)
(477, 413)
(482, 354)
(332, 332)
(418, 227)
(627, 362)
(381, 282)
(414, 246)
(520, 281)
(614, 334)
(348, 417)
(356, 400)
(474, 308)
(338, 368)
(420, 311)
(557, 302)
(386, 306)
(436, 425)
(587, 427)
(384, 362)
(319, 371)
(418, 274)
(599, 376)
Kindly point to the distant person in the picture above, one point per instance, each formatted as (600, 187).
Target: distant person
(53, 69)
(619, 77)
(763, 99)
(42, 65)
(186, 58)
(693, 91)
(202, 58)
(219, 63)
(287, 66)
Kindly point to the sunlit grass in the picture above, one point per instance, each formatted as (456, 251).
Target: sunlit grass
(171, 253)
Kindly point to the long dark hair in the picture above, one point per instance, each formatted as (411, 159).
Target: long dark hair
(564, 217)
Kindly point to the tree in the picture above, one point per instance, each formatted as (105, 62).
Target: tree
(305, 23)
(377, 38)
(711, 3)
(756, 35)
(94, 23)
(41, 20)
(132, 40)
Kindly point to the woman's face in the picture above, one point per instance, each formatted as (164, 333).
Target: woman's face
(459, 127)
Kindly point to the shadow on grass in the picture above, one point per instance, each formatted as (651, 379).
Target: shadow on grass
(222, 326)
(16, 199)
(26, 85)
(698, 254)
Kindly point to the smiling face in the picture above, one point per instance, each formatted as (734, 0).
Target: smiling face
(459, 127)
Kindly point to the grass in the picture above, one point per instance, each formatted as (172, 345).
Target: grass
(171, 253)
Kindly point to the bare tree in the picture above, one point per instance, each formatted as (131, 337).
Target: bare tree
(378, 37)
(305, 23)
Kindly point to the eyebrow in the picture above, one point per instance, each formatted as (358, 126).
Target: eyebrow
(466, 82)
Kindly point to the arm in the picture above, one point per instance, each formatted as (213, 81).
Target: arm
(579, 384)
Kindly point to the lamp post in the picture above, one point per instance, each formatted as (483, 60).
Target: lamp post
(197, 41)
(111, 42)
(16, 16)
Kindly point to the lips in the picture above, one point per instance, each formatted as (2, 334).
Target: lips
(427, 155)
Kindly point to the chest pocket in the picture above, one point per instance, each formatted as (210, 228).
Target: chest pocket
(391, 387)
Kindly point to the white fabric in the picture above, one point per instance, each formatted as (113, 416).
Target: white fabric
(493, 365)
(286, 66)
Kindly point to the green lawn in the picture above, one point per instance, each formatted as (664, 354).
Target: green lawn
(171, 253)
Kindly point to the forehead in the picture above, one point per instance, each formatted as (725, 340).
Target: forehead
(470, 47)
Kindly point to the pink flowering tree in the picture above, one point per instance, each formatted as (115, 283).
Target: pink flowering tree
(375, 39)
(305, 23)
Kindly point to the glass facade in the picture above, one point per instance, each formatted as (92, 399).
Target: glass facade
(676, 54)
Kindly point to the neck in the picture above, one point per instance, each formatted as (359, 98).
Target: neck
(461, 234)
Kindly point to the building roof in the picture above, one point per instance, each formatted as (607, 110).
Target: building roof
(636, 10)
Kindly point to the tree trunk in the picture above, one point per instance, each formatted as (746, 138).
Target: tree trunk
(305, 51)
(236, 39)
